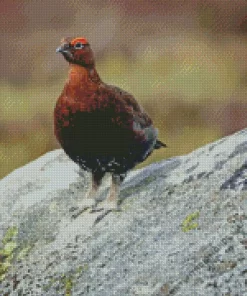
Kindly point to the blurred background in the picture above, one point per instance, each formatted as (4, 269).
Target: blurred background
(185, 62)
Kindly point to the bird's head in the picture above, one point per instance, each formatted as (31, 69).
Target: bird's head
(77, 51)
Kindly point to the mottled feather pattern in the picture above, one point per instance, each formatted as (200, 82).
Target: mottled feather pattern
(101, 127)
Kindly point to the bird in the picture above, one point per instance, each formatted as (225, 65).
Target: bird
(101, 127)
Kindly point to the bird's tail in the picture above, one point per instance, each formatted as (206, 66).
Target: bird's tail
(159, 145)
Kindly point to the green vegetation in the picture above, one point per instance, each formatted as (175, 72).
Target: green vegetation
(189, 222)
(24, 252)
(82, 268)
(67, 280)
(7, 250)
(68, 286)
(10, 234)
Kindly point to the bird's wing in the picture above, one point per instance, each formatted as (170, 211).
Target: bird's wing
(140, 121)
(129, 103)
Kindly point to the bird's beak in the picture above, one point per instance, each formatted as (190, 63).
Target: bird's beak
(63, 48)
(60, 49)
(65, 51)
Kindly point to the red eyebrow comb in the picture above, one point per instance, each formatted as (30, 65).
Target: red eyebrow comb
(79, 39)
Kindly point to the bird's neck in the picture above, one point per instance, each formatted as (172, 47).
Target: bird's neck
(83, 78)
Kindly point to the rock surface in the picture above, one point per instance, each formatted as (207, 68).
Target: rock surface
(182, 229)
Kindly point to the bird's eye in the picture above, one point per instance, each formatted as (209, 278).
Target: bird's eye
(78, 45)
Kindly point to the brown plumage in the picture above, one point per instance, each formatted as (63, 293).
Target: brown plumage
(100, 127)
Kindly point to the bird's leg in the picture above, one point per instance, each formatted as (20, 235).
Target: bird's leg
(96, 182)
(111, 202)
(112, 198)
(89, 201)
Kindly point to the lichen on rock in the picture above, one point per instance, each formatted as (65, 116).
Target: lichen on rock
(9, 245)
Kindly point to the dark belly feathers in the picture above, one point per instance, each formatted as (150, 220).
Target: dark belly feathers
(97, 141)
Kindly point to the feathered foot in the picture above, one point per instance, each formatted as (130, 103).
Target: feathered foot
(89, 201)
(111, 203)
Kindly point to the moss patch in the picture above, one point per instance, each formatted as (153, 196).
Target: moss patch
(82, 268)
(7, 251)
(190, 222)
(23, 252)
(67, 280)
(10, 234)
(68, 285)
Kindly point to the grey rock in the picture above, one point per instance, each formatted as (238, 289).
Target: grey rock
(182, 229)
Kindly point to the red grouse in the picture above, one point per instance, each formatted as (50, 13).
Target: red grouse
(100, 127)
